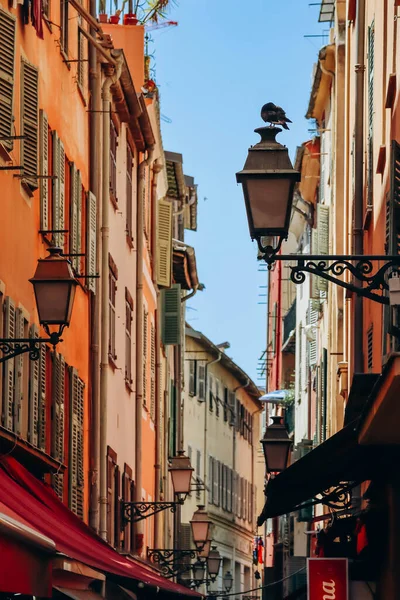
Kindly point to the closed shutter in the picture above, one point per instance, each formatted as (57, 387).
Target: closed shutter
(312, 320)
(58, 190)
(185, 532)
(7, 76)
(239, 497)
(314, 289)
(216, 482)
(164, 243)
(274, 323)
(171, 315)
(117, 508)
(44, 170)
(76, 216)
(192, 377)
(8, 366)
(42, 398)
(29, 116)
(202, 382)
(152, 371)
(224, 486)
(18, 374)
(211, 480)
(91, 267)
(198, 472)
(58, 387)
(145, 354)
(323, 240)
(211, 393)
(229, 489)
(217, 398)
(250, 503)
(76, 472)
(232, 402)
(33, 408)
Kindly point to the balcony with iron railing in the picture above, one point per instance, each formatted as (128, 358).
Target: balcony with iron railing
(289, 329)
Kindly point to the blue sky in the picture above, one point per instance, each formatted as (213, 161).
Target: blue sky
(215, 71)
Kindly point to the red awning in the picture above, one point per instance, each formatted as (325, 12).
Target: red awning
(36, 502)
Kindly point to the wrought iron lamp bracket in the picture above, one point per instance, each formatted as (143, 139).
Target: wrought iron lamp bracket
(11, 348)
(373, 281)
(132, 512)
(170, 560)
(337, 498)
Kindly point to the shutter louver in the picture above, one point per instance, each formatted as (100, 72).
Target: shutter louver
(91, 241)
(164, 243)
(314, 291)
(152, 371)
(202, 382)
(145, 352)
(312, 319)
(44, 169)
(18, 374)
(171, 315)
(76, 473)
(29, 114)
(42, 398)
(232, 404)
(8, 373)
(58, 419)
(76, 216)
(7, 77)
(58, 190)
(33, 410)
(210, 480)
(323, 240)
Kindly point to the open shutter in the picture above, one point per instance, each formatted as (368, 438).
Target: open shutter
(210, 480)
(323, 240)
(312, 320)
(58, 189)
(7, 76)
(42, 398)
(232, 404)
(44, 170)
(18, 374)
(76, 473)
(76, 216)
(171, 315)
(58, 419)
(152, 371)
(29, 116)
(202, 382)
(145, 354)
(314, 290)
(33, 409)
(164, 243)
(91, 241)
(8, 366)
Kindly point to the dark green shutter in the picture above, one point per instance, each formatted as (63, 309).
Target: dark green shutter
(171, 315)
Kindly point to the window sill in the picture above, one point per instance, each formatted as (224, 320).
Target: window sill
(112, 361)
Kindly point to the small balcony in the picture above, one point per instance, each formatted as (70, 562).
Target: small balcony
(289, 330)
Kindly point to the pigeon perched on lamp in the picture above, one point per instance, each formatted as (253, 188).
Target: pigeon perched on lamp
(275, 115)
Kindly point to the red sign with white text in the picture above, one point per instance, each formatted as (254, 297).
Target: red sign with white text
(327, 579)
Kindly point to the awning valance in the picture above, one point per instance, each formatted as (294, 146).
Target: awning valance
(339, 459)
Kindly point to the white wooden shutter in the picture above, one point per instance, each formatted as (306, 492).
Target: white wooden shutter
(76, 472)
(44, 169)
(91, 267)
(18, 374)
(58, 189)
(33, 408)
(164, 243)
(42, 398)
(323, 240)
(7, 76)
(8, 373)
(58, 419)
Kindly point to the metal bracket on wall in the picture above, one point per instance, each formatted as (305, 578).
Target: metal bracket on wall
(170, 560)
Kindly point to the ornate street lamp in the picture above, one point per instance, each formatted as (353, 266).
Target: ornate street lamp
(54, 285)
(204, 551)
(227, 581)
(199, 569)
(276, 446)
(214, 561)
(201, 527)
(181, 475)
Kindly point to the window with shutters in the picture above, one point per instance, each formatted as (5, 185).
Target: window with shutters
(323, 240)
(58, 204)
(127, 496)
(171, 315)
(192, 377)
(29, 123)
(217, 397)
(274, 327)
(232, 403)
(198, 473)
(112, 293)
(164, 243)
(128, 336)
(238, 405)
(44, 165)
(211, 393)
(7, 77)
(371, 68)
(82, 57)
(91, 228)
(113, 162)
(152, 371)
(58, 418)
(112, 497)
(216, 475)
(129, 193)
(20, 332)
(76, 449)
(64, 22)
(9, 332)
(145, 353)
(75, 219)
(242, 411)
(225, 404)
(202, 383)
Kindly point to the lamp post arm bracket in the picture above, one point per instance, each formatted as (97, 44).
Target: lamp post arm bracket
(14, 347)
(170, 560)
(132, 512)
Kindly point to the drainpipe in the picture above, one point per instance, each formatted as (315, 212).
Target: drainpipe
(157, 167)
(95, 178)
(139, 334)
(112, 76)
(358, 357)
(212, 362)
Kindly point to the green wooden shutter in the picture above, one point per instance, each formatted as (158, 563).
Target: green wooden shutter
(7, 76)
(58, 189)
(171, 315)
(44, 169)
(76, 472)
(33, 408)
(58, 389)
(8, 366)
(323, 240)
(29, 124)
(91, 267)
(164, 243)
(42, 398)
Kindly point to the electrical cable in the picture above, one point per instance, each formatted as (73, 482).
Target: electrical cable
(262, 587)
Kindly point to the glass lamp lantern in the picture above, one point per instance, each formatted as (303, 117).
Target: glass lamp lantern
(276, 446)
(181, 474)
